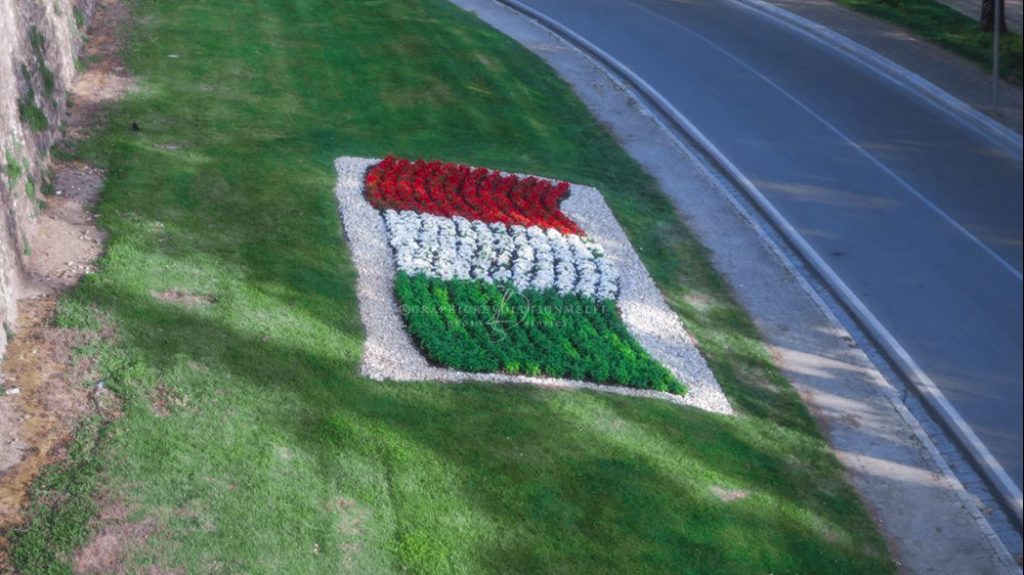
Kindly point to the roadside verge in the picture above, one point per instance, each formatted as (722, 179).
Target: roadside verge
(909, 80)
(955, 74)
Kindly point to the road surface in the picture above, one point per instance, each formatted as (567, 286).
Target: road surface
(920, 215)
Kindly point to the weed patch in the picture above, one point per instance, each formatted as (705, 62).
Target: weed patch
(31, 114)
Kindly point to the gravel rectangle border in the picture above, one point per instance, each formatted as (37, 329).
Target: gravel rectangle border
(390, 354)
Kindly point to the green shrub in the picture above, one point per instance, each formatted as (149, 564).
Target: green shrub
(32, 115)
(48, 80)
(37, 40)
(12, 167)
(480, 327)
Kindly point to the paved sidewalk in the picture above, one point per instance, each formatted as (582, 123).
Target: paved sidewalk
(972, 8)
(963, 79)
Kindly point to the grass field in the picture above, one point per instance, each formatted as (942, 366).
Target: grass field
(950, 29)
(250, 444)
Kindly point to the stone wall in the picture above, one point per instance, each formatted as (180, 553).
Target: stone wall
(39, 43)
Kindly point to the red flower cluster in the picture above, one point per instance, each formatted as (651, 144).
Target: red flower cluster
(474, 193)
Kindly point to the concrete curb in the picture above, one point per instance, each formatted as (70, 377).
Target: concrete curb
(941, 99)
(1008, 493)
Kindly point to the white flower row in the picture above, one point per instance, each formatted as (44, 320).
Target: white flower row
(528, 257)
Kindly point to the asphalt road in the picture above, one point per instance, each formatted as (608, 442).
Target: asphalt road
(920, 215)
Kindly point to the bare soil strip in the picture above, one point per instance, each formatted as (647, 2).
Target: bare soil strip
(48, 391)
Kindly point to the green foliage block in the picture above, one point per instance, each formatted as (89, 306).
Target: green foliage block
(480, 327)
(12, 167)
(32, 115)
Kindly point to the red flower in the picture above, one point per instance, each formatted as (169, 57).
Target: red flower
(475, 193)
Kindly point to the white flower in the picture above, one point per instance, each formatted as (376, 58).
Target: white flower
(528, 257)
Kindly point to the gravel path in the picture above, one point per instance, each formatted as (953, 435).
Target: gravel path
(390, 354)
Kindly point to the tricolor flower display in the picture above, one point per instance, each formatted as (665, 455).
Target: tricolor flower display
(492, 276)
(467, 274)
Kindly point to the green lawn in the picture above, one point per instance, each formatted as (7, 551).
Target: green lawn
(250, 444)
(950, 29)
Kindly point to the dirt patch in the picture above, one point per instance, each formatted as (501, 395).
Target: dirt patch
(50, 400)
(184, 298)
(729, 495)
(66, 241)
(351, 518)
(105, 78)
(115, 535)
(165, 400)
(699, 301)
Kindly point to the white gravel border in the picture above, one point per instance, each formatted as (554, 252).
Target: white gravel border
(390, 354)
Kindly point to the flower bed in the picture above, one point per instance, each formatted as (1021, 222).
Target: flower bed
(495, 278)
(468, 273)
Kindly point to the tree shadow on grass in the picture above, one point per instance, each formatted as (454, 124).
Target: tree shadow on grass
(522, 461)
(566, 490)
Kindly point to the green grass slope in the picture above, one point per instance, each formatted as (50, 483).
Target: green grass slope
(250, 443)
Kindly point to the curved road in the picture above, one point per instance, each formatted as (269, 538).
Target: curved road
(919, 214)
